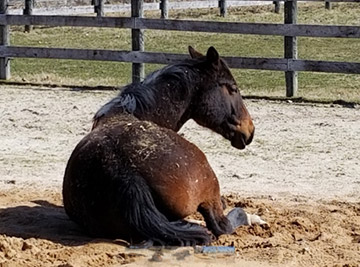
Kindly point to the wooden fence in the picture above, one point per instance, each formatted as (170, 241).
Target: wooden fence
(290, 30)
(65, 7)
(98, 6)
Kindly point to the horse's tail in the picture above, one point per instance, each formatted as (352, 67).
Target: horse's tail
(143, 216)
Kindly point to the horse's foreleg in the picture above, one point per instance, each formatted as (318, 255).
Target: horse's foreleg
(220, 224)
(215, 219)
(223, 202)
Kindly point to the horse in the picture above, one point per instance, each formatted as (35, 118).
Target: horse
(133, 177)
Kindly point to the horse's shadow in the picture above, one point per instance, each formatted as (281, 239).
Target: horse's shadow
(45, 221)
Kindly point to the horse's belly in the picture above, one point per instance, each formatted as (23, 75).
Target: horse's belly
(176, 170)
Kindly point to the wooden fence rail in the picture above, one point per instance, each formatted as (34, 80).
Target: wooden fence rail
(164, 5)
(100, 8)
(278, 64)
(290, 30)
(187, 25)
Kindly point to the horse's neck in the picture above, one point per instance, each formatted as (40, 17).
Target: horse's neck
(165, 101)
(168, 113)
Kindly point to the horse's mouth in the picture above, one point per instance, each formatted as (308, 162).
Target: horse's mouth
(238, 138)
(240, 135)
(235, 136)
(238, 141)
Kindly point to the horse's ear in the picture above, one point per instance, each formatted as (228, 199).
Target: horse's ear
(193, 53)
(212, 55)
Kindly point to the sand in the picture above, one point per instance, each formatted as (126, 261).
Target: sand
(300, 174)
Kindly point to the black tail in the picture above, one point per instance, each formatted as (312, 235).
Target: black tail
(143, 216)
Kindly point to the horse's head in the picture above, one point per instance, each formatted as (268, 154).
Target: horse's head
(219, 104)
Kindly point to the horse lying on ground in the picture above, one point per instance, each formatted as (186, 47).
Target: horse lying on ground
(133, 177)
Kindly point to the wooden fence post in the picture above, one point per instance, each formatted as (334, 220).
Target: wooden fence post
(223, 8)
(290, 47)
(164, 7)
(137, 36)
(29, 4)
(4, 41)
(98, 7)
(277, 6)
(328, 5)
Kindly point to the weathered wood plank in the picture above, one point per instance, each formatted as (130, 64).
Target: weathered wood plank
(325, 66)
(76, 21)
(223, 8)
(327, 5)
(277, 7)
(164, 7)
(98, 7)
(90, 54)
(290, 48)
(29, 4)
(187, 25)
(137, 39)
(4, 41)
(77, 10)
(251, 28)
(276, 64)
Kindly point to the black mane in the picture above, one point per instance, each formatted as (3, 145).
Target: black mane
(141, 97)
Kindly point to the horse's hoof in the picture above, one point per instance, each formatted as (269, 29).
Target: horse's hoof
(143, 245)
(237, 217)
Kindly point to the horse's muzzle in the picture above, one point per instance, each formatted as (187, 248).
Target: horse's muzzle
(243, 135)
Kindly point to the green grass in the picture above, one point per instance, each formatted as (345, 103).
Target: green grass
(251, 82)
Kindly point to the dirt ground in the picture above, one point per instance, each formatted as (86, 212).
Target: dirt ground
(300, 174)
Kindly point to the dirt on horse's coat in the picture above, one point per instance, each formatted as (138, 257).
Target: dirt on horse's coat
(133, 177)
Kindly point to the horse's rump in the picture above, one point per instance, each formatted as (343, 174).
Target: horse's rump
(171, 167)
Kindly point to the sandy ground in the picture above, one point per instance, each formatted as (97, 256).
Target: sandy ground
(301, 174)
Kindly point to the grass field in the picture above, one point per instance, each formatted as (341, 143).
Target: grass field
(251, 82)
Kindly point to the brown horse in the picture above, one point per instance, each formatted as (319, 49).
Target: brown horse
(133, 177)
